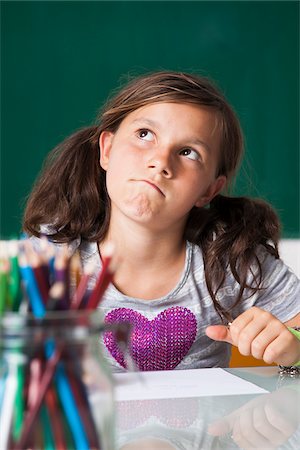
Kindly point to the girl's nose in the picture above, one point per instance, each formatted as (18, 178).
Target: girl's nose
(161, 163)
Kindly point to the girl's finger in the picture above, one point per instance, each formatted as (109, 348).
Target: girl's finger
(248, 326)
(219, 333)
(240, 324)
(265, 338)
(282, 350)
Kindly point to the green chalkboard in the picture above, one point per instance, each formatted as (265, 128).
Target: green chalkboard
(59, 61)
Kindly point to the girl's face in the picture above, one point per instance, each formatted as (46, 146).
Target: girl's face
(161, 162)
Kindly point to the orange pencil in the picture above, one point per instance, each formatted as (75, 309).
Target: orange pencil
(81, 290)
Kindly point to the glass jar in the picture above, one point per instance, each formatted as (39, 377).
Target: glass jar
(56, 390)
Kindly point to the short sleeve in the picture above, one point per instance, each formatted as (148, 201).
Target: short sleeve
(280, 293)
(46, 230)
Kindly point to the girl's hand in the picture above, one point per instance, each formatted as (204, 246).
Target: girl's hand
(258, 333)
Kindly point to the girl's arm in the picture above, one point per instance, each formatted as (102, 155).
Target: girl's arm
(258, 333)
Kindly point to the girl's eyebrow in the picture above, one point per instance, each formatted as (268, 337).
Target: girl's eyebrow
(201, 143)
(153, 123)
(144, 120)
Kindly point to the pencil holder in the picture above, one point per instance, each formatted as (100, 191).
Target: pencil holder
(56, 391)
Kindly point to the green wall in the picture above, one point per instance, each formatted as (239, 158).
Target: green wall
(59, 60)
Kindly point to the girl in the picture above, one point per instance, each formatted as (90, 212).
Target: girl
(149, 178)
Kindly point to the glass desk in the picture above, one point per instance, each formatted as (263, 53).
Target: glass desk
(246, 408)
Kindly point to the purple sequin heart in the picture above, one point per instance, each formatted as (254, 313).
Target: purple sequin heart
(158, 344)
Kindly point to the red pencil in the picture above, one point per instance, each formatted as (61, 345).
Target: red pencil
(84, 408)
(57, 429)
(103, 281)
(43, 386)
(105, 277)
(36, 263)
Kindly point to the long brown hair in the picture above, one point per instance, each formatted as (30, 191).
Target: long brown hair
(71, 194)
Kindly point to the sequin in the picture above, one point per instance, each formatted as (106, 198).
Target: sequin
(158, 344)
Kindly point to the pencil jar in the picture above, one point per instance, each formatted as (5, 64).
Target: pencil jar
(56, 390)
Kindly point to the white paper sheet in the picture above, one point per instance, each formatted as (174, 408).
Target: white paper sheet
(181, 384)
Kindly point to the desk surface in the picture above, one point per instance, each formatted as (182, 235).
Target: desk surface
(262, 412)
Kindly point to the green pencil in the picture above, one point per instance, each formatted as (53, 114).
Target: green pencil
(46, 427)
(4, 268)
(15, 276)
(19, 403)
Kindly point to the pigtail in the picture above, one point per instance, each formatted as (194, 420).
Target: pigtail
(70, 194)
(232, 230)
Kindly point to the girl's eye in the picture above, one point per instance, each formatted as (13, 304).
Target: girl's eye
(190, 153)
(146, 135)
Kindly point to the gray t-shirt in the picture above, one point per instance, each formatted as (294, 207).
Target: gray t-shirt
(169, 332)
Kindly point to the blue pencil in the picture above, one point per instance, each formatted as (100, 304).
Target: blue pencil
(68, 402)
(32, 288)
(70, 408)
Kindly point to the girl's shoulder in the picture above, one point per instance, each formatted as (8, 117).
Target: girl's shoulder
(46, 231)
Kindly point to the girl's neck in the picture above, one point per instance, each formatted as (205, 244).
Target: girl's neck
(139, 245)
(154, 260)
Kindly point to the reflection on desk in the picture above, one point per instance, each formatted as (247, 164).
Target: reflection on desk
(269, 418)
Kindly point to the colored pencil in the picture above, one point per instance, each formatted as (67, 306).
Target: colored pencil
(4, 293)
(71, 409)
(31, 287)
(82, 401)
(14, 284)
(104, 279)
(56, 296)
(8, 402)
(55, 420)
(46, 283)
(19, 403)
(78, 297)
(43, 386)
(48, 440)
(61, 267)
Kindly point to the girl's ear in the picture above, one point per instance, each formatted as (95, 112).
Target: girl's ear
(214, 189)
(105, 143)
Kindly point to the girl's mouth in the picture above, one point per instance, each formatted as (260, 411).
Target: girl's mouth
(154, 186)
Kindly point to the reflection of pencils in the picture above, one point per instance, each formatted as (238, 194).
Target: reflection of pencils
(32, 413)
(82, 402)
(57, 429)
(7, 407)
(47, 440)
(71, 409)
(34, 381)
(19, 403)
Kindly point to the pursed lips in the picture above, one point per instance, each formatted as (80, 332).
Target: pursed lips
(153, 185)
